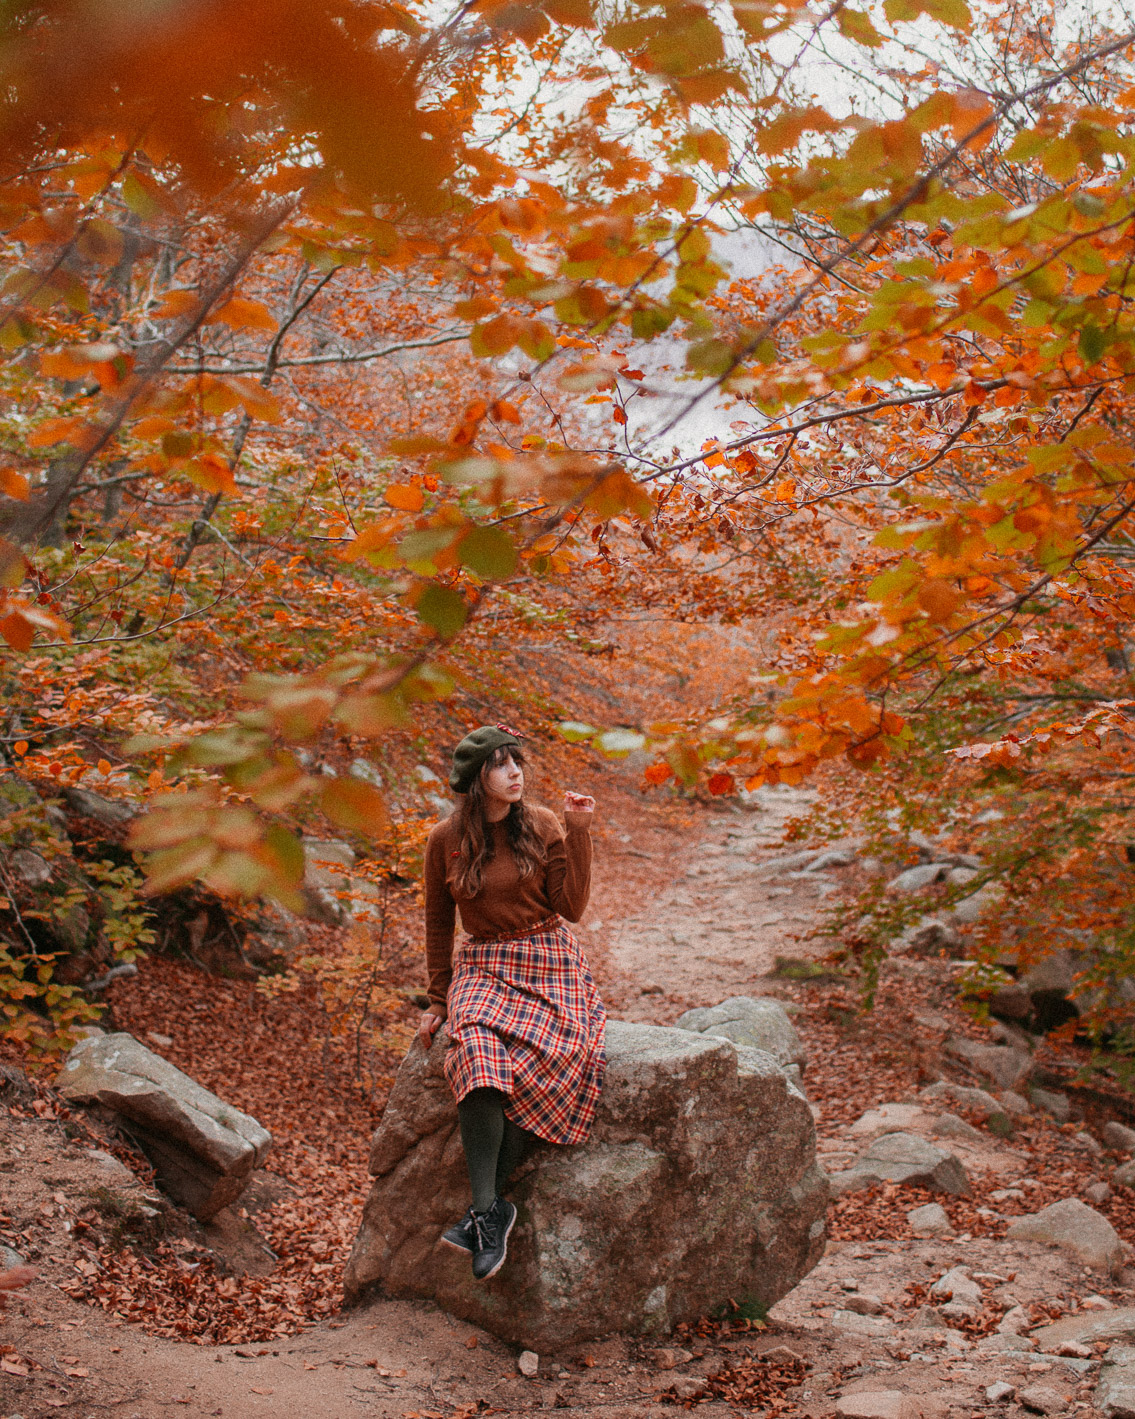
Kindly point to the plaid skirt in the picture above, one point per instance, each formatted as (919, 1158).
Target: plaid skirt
(524, 1017)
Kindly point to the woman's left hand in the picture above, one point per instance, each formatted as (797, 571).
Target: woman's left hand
(578, 803)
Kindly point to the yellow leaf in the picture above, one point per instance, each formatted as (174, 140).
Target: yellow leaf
(406, 497)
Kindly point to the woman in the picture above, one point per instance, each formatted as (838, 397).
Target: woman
(523, 1015)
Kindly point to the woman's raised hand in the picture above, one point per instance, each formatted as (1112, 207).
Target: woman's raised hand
(578, 803)
(427, 1028)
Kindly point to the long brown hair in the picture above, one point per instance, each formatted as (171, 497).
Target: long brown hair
(475, 848)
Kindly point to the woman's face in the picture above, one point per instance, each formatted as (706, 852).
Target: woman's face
(504, 782)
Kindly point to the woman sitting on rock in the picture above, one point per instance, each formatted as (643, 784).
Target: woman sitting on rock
(523, 1015)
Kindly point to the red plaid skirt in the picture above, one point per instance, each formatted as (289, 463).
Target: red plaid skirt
(524, 1017)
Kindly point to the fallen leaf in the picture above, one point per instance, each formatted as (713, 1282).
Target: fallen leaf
(256, 1390)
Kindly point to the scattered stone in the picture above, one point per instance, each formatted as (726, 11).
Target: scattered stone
(10, 1258)
(686, 1387)
(904, 1158)
(1000, 1393)
(1015, 1103)
(1119, 1136)
(958, 1311)
(1042, 1400)
(1085, 1141)
(108, 811)
(1117, 1323)
(1097, 1193)
(782, 1355)
(864, 1304)
(758, 1022)
(1006, 1065)
(528, 1363)
(699, 1182)
(1115, 1393)
(930, 1220)
(29, 867)
(951, 1126)
(1014, 1322)
(1073, 1349)
(671, 1359)
(1052, 1103)
(849, 1283)
(203, 1150)
(1124, 1176)
(1006, 1343)
(956, 1285)
(114, 1171)
(917, 879)
(888, 1118)
(974, 1101)
(1007, 1194)
(848, 1319)
(1075, 1227)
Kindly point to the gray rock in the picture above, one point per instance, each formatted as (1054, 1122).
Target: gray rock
(1087, 1327)
(759, 1022)
(858, 1324)
(1115, 1393)
(930, 1220)
(1000, 1393)
(1054, 972)
(32, 869)
(951, 1126)
(863, 1303)
(956, 1285)
(1052, 1103)
(364, 769)
(917, 879)
(528, 1363)
(1075, 1227)
(1119, 1136)
(108, 811)
(1005, 1065)
(1014, 1103)
(699, 1183)
(1011, 1002)
(10, 1259)
(1097, 1193)
(1040, 1399)
(202, 1149)
(972, 908)
(834, 857)
(113, 1171)
(974, 1101)
(904, 1158)
(930, 937)
(1124, 1175)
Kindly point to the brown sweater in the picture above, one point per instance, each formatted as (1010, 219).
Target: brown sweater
(506, 902)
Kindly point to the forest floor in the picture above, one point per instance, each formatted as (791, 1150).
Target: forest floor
(138, 1311)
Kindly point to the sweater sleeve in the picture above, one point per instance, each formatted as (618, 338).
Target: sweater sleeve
(441, 920)
(569, 867)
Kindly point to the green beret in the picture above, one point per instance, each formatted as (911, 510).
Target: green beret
(474, 749)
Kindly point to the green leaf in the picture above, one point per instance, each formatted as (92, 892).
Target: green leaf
(854, 24)
(1093, 343)
(442, 609)
(488, 551)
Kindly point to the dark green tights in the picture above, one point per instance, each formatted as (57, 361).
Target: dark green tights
(493, 1145)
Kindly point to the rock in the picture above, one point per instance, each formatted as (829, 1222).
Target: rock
(686, 1387)
(974, 1101)
(29, 867)
(1087, 1327)
(929, 937)
(10, 1259)
(1011, 1002)
(1073, 1349)
(1006, 1065)
(364, 769)
(858, 1324)
(1052, 1103)
(1097, 1193)
(1119, 1136)
(1124, 1175)
(1075, 1227)
(1115, 1393)
(1015, 1103)
(888, 1118)
(528, 1363)
(972, 908)
(759, 1022)
(1097, 1303)
(113, 1171)
(1000, 1393)
(834, 857)
(671, 1359)
(699, 1183)
(1085, 1140)
(917, 879)
(202, 1149)
(904, 1158)
(930, 1220)
(956, 1285)
(961, 876)
(1042, 1400)
(951, 1126)
(864, 1304)
(1015, 1321)
(107, 811)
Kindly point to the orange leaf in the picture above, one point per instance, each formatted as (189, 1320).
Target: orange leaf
(406, 497)
(243, 314)
(173, 305)
(357, 806)
(14, 484)
(938, 599)
(657, 773)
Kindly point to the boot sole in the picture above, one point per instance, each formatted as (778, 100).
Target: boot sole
(504, 1251)
(465, 1251)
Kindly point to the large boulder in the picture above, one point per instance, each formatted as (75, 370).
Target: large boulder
(904, 1158)
(757, 1021)
(1075, 1227)
(699, 1183)
(203, 1150)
